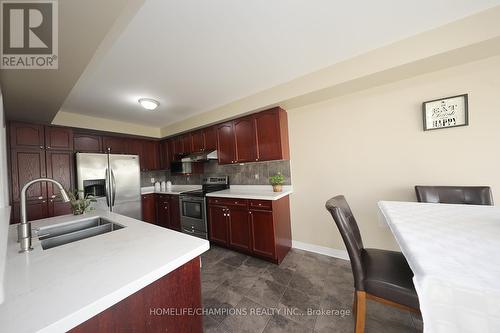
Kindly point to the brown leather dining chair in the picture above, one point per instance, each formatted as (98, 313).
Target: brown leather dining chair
(468, 195)
(379, 275)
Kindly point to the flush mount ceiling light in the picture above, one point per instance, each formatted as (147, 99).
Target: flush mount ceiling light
(148, 103)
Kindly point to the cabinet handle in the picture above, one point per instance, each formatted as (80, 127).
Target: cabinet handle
(48, 147)
(40, 198)
(53, 196)
(51, 200)
(249, 212)
(41, 147)
(44, 201)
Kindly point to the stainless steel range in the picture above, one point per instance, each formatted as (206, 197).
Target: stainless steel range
(194, 207)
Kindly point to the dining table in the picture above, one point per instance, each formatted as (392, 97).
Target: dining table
(454, 253)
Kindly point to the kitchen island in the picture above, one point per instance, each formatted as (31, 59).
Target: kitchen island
(124, 278)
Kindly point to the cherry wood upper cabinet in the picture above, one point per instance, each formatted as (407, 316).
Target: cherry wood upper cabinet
(272, 135)
(115, 145)
(226, 146)
(60, 167)
(58, 138)
(244, 138)
(210, 135)
(165, 155)
(187, 143)
(26, 165)
(23, 135)
(198, 139)
(87, 143)
(178, 145)
(150, 155)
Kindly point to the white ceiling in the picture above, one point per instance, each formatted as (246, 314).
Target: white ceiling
(194, 55)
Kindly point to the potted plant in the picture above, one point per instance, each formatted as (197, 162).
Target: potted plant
(80, 205)
(277, 182)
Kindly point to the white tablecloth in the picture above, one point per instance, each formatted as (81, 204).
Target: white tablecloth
(454, 253)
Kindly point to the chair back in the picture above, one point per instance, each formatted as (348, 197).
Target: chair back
(348, 227)
(469, 195)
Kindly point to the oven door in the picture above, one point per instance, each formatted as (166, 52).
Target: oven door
(193, 213)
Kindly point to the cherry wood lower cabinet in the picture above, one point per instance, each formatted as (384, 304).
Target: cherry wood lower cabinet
(258, 227)
(162, 210)
(168, 211)
(144, 311)
(149, 208)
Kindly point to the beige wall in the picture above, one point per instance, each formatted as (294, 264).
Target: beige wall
(370, 146)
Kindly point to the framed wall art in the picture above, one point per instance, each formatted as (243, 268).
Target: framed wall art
(446, 112)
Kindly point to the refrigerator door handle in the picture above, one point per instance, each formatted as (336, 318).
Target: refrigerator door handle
(108, 192)
(113, 185)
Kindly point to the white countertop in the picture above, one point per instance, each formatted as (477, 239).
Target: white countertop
(176, 189)
(257, 192)
(54, 290)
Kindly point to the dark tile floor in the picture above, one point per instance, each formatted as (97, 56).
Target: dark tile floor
(308, 292)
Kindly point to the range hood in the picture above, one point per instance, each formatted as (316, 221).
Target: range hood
(200, 157)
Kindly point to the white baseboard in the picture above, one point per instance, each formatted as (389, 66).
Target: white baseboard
(327, 251)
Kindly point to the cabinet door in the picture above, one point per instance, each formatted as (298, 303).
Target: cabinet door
(58, 138)
(164, 155)
(58, 207)
(27, 165)
(175, 212)
(244, 134)
(239, 228)
(210, 134)
(262, 231)
(151, 155)
(149, 208)
(187, 144)
(86, 143)
(23, 135)
(225, 139)
(136, 147)
(162, 210)
(115, 145)
(178, 145)
(272, 129)
(60, 167)
(198, 141)
(35, 210)
(217, 221)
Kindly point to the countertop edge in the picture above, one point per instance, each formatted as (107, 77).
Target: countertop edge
(251, 196)
(118, 295)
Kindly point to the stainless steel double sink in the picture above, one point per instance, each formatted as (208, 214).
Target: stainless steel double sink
(58, 235)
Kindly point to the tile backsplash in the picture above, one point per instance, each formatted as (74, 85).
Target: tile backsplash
(255, 173)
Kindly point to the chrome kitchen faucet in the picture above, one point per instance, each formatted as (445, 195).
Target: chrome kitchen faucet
(24, 228)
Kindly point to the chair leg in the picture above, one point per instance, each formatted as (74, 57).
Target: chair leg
(360, 311)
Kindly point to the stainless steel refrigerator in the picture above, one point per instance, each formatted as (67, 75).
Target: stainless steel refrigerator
(114, 180)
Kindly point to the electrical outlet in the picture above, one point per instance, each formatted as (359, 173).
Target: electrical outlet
(152, 180)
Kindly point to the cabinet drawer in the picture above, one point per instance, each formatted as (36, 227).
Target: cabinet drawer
(163, 196)
(228, 202)
(261, 204)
